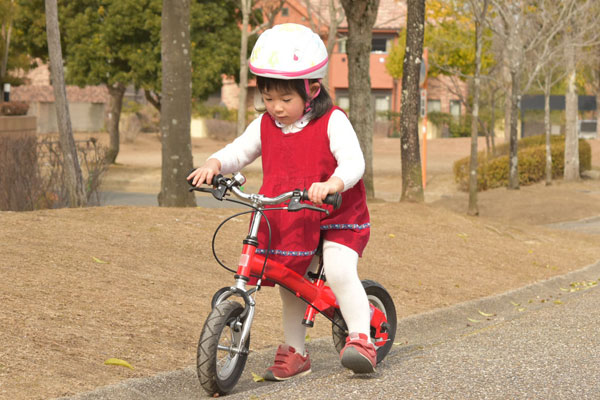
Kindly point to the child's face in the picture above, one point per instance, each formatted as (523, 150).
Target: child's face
(285, 106)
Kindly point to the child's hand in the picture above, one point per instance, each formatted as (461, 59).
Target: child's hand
(319, 190)
(205, 173)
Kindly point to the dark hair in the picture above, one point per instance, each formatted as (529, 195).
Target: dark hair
(319, 105)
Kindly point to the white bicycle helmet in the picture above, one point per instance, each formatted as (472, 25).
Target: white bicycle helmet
(289, 51)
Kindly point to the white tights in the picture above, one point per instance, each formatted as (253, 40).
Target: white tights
(340, 264)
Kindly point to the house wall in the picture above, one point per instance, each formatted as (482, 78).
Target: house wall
(85, 117)
(17, 124)
(386, 91)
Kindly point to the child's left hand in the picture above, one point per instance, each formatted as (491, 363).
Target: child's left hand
(319, 190)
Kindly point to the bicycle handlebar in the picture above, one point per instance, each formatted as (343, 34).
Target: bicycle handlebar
(221, 185)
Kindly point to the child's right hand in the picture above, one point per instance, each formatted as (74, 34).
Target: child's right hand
(205, 173)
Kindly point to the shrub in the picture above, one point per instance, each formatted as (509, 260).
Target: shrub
(14, 108)
(19, 179)
(32, 172)
(92, 160)
(493, 171)
(457, 127)
(221, 130)
(214, 112)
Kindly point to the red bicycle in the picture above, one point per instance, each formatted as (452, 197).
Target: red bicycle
(225, 339)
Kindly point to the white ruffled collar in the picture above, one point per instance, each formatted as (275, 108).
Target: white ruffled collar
(296, 126)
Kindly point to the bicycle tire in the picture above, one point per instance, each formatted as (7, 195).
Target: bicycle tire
(380, 298)
(222, 328)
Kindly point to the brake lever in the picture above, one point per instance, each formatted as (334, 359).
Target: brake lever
(200, 189)
(218, 193)
(295, 205)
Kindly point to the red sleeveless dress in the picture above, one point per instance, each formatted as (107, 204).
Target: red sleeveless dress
(295, 161)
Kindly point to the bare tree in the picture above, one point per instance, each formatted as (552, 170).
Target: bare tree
(6, 31)
(551, 74)
(412, 183)
(73, 175)
(336, 15)
(479, 12)
(596, 69)
(176, 107)
(270, 10)
(361, 16)
(521, 30)
(581, 30)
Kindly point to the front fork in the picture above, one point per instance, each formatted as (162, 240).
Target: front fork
(247, 316)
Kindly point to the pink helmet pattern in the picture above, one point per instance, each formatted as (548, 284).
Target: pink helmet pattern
(289, 51)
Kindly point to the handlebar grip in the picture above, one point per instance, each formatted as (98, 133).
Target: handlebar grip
(189, 181)
(215, 178)
(334, 199)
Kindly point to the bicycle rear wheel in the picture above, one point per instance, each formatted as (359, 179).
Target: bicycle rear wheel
(220, 361)
(381, 299)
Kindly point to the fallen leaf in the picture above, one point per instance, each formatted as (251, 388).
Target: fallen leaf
(515, 304)
(485, 314)
(99, 261)
(463, 235)
(564, 290)
(392, 235)
(257, 378)
(557, 302)
(116, 361)
(521, 309)
(307, 338)
(474, 320)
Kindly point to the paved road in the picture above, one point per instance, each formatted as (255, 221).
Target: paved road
(537, 342)
(541, 342)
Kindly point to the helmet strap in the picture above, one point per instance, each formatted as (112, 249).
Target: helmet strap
(307, 106)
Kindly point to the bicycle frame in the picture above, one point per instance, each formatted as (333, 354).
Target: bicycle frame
(319, 298)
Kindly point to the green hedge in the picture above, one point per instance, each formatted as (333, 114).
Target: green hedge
(493, 172)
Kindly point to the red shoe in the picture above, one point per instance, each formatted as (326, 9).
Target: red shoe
(287, 364)
(359, 355)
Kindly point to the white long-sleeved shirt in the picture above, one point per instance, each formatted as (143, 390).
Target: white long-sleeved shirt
(343, 144)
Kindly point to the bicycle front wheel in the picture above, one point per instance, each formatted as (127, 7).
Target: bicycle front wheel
(220, 359)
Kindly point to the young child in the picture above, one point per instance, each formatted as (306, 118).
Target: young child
(305, 142)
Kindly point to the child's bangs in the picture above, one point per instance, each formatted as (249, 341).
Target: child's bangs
(279, 85)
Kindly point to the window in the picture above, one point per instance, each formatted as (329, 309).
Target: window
(379, 45)
(455, 108)
(343, 46)
(343, 102)
(285, 12)
(434, 106)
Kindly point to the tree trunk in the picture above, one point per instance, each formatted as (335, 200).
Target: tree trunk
(597, 69)
(4, 64)
(548, 129)
(513, 175)
(473, 208)
(493, 122)
(571, 172)
(243, 93)
(176, 107)
(334, 22)
(73, 176)
(115, 106)
(598, 110)
(412, 179)
(507, 97)
(361, 16)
